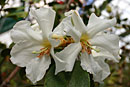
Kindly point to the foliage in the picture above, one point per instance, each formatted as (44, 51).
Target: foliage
(67, 79)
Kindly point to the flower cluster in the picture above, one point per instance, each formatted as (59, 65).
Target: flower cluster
(71, 40)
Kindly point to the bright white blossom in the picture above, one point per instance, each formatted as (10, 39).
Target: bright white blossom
(90, 45)
(33, 46)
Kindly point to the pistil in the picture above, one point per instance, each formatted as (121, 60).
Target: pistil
(64, 41)
(86, 46)
(42, 52)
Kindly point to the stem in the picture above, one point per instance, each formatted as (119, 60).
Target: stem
(68, 3)
(45, 2)
(7, 80)
(97, 50)
(4, 5)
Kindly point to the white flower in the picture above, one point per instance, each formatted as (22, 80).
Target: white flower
(33, 45)
(94, 47)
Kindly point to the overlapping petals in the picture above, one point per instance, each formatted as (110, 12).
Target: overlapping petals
(36, 68)
(34, 44)
(33, 48)
(109, 43)
(93, 47)
(45, 18)
(96, 25)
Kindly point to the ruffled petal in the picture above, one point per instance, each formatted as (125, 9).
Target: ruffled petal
(96, 25)
(66, 28)
(21, 53)
(74, 34)
(105, 72)
(78, 23)
(108, 42)
(59, 30)
(95, 66)
(36, 28)
(58, 62)
(104, 53)
(22, 31)
(69, 55)
(54, 43)
(45, 17)
(37, 67)
(89, 64)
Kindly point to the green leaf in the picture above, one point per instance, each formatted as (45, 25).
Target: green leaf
(58, 6)
(97, 11)
(2, 46)
(18, 14)
(5, 52)
(6, 24)
(14, 9)
(77, 78)
(125, 33)
(59, 80)
(36, 1)
(108, 8)
(22, 73)
(2, 2)
(104, 5)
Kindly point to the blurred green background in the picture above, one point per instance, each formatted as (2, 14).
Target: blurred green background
(12, 11)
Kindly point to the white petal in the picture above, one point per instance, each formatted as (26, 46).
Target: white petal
(59, 63)
(96, 25)
(78, 23)
(99, 77)
(21, 53)
(22, 31)
(66, 28)
(89, 64)
(45, 17)
(54, 43)
(69, 13)
(109, 42)
(69, 55)
(95, 66)
(74, 34)
(37, 67)
(104, 53)
(36, 28)
(63, 26)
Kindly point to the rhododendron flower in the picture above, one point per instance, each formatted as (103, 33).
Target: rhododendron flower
(91, 44)
(33, 46)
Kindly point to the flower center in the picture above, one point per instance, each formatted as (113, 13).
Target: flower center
(86, 46)
(45, 50)
(64, 41)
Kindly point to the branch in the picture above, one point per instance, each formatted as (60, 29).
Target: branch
(4, 5)
(7, 80)
(68, 3)
(44, 2)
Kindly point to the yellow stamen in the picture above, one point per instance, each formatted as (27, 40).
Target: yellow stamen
(86, 46)
(45, 50)
(97, 50)
(64, 40)
(76, 13)
(42, 52)
(84, 37)
(55, 36)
